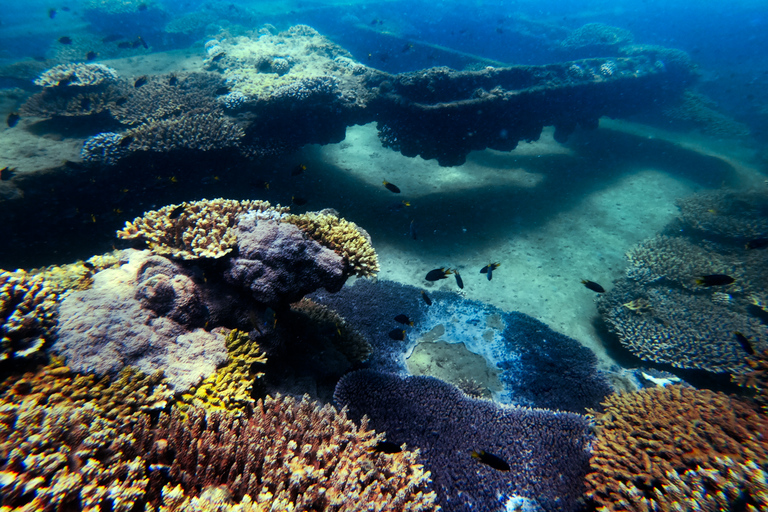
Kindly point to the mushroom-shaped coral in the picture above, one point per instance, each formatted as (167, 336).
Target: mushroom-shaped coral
(27, 314)
(200, 229)
(675, 448)
(289, 455)
(342, 236)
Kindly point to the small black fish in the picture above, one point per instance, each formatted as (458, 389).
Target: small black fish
(391, 187)
(593, 286)
(173, 80)
(51, 13)
(125, 141)
(744, 342)
(397, 334)
(491, 460)
(489, 268)
(65, 9)
(385, 447)
(459, 281)
(121, 101)
(437, 274)
(111, 38)
(140, 81)
(176, 212)
(403, 319)
(65, 40)
(89, 265)
(140, 40)
(13, 119)
(414, 234)
(298, 169)
(124, 45)
(6, 173)
(757, 243)
(714, 280)
(222, 90)
(426, 298)
(91, 56)
(298, 201)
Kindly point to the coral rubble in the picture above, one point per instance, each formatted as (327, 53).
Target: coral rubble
(676, 448)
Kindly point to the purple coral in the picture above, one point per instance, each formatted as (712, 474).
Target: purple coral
(548, 451)
(280, 265)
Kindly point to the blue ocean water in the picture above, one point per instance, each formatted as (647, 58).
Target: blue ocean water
(609, 156)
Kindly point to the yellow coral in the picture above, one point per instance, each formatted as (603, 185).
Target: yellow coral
(231, 386)
(345, 238)
(200, 229)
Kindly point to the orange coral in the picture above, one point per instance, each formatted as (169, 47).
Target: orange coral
(678, 448)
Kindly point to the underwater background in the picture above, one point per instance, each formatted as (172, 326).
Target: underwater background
(383, 256)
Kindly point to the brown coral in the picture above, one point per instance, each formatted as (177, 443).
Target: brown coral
(342, 236)
(292, 455)
(27, 314)
(677, 448)
(200, 229)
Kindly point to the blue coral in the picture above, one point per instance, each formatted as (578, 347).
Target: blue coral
(547, 451)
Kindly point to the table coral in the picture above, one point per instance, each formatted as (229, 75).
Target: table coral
(202, 229)
(293, 455)
(342, 236)
(548, 451)
(77, 75)
(28, 314)
(676, 448)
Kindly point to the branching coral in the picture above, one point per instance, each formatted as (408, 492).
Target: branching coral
(231, 386)
(200, 229)
(293, 455)
(196, 130)
(74, 101)
(342, 236)
(28, 310)
(676, 448)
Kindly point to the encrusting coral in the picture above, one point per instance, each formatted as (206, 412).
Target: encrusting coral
(292, 455)
(28, 311)
(342, 236)
(199, 229)
(674, 448)
(231, 386)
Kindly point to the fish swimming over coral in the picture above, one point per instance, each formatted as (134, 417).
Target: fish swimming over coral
(490, 459)
(403, 319)
(715, 280)
(593, 286)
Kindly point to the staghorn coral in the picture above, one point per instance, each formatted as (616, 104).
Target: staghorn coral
(293, 455)
(735, 214)
(196, 130)
(77, 75)
(231, 386)
(756, 378)
(676, 448)
(148, 313)
(28, 314)
(676, 259)
(342, 236)
(548, 451)
(686, 330)
(348, 340)
(203, 229)
(597, 35)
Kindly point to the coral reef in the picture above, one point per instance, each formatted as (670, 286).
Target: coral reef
(684, 329)
(695, 109)
(756, 379)
(342, 236)
(74, 101)
(105, 148)
(288, 455)
(199, 229)
(201, 132)
(676, 448)
(146, 313)
(27, 314)
(77, 75)
(279, 265)
(78, 275)
(538, 367)
(597, 36)
(548, 452)
(231, 387)
(735, 214)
